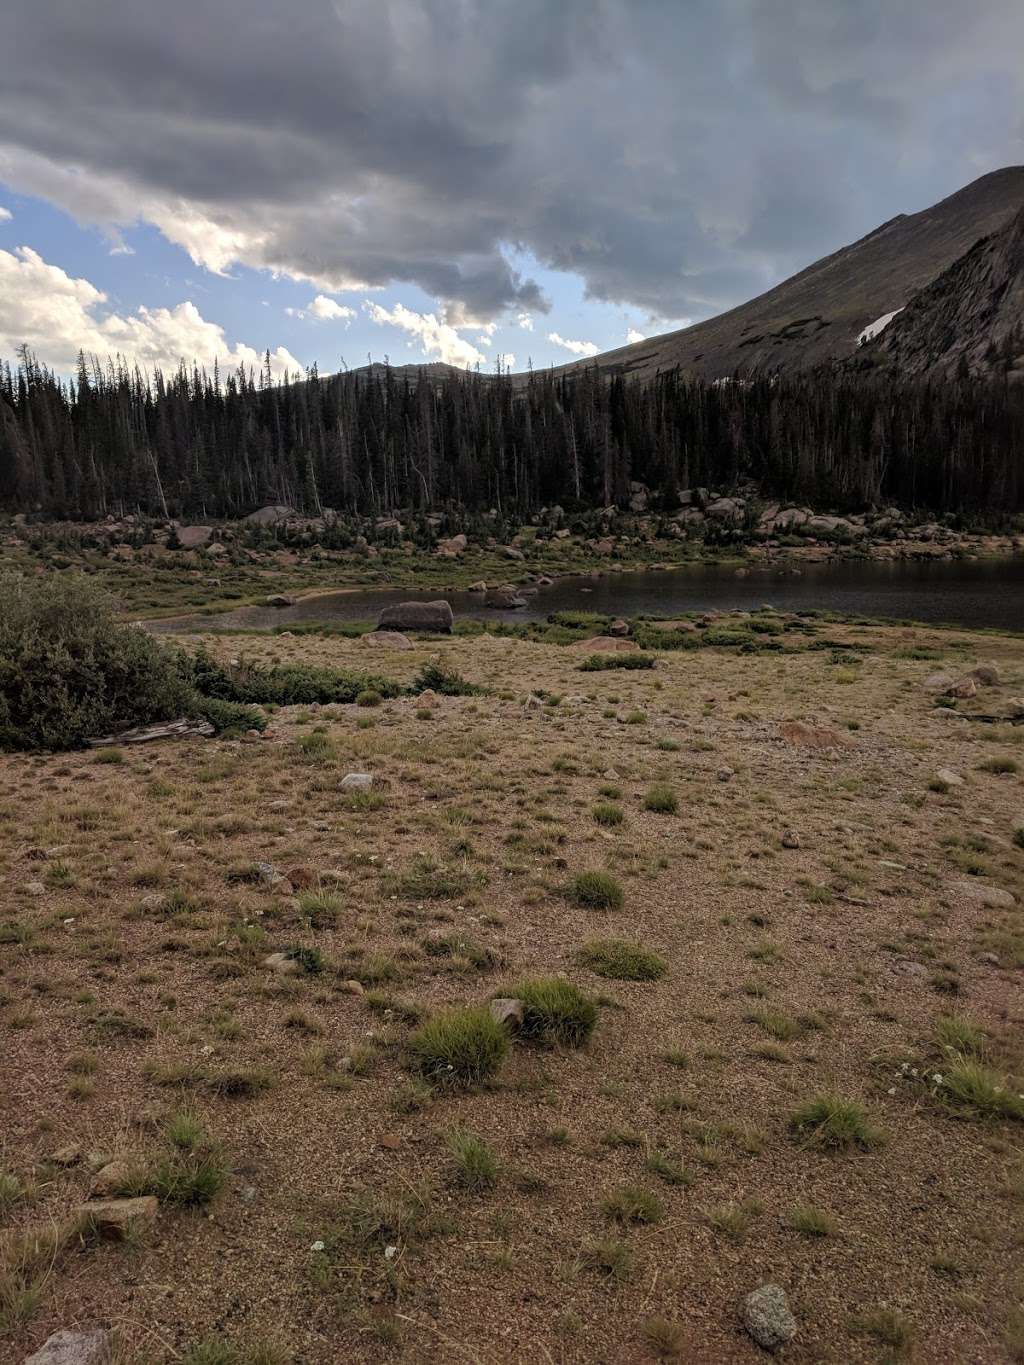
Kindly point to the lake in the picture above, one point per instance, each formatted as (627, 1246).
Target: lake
(982, 592)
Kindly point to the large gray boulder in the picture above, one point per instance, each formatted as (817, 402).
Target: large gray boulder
(432, 616)
(270, 516)
(193, 537)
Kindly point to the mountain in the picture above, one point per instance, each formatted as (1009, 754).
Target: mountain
(819, 314)
(971, 315)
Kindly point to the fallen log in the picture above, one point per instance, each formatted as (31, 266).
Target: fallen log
(143, 734)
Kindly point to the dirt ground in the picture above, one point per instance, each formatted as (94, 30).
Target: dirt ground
(133, 933)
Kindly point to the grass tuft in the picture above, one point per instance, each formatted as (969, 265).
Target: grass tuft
(622, 960)
(461, 1047)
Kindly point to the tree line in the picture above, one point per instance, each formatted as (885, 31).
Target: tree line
(111, 440)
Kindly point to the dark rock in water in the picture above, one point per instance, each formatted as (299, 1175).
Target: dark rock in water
(505, 599)
(433, 616)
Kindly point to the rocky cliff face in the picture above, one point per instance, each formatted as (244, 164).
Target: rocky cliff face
(971, 316)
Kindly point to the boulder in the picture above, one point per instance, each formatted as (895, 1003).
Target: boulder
(479, 586)
(357, 782)
(451, 549)
(192, 537)
(73, 1348)
(512, 552)
(949, 777)
(116, 1219)
(813, 736)
(963, 689)
(604, 547)
(505, 599)
(111, 1178)
(507, 1012)
(604, 644)
(619, 627)
(767, 1317)
(985, 675)
(280, 599)
(992, 897)
(270, 516)
(386, 639)
(282, 964)
(725, 509)
(437, 617)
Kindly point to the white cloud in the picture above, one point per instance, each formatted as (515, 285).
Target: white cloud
(57, 316)
(438, 340)
(506, 360)
(5, 215)
(323, 309)
(633, 335)
(525, 322)
(581, 348)
(327, 310)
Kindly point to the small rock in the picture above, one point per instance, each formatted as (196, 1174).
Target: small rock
(767, 1317)
(282, 964)
(73, 1348)
(353, 988)
(301, 878)
(34, 889)
(619, 627)
(270, 876)
(110, 1179)
(280, 599)
(990, 960)
(725, 774)
(479, 586)
(790, 839)
(116, 1219)
(70, 1155)
(950, 778)
(391, 1142)
(357, 782)
(508, 1012)
(963, 689)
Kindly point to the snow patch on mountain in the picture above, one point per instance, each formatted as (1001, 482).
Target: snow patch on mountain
(879, 325)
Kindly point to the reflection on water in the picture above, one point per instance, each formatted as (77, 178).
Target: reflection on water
(961, 592)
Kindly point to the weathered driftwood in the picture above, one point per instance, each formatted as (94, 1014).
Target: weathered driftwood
(433, 616)
(142, 734)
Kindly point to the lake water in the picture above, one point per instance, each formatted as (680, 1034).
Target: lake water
(959, 592)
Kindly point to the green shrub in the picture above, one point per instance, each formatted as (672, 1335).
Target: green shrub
(369, 697)
(476, 1166)
(554, 1011)
(282, 684)
(600, 663)
(607, 813)
(982, 1092)
(622, 960)
(596, 890)
(460, 1047)
(662, 799)
(227, 717)
(70, 670)
(833, 1122)
(440, 678)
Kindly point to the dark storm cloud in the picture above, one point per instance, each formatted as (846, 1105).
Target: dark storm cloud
(678, 156)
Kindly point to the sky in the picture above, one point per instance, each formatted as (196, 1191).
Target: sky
(484, 182)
